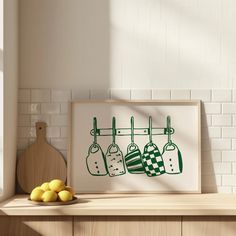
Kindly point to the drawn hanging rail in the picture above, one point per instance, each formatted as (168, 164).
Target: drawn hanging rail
(152, 162)
(127, 131)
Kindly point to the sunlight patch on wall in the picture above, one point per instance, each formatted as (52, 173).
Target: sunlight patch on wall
(175, 44)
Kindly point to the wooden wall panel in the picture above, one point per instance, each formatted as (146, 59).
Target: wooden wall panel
(35, 226)
(209, 226)
(127, 226)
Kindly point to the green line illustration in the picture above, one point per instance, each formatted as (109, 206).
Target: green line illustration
(114, 156)
(127, 131)
(152, 162)
(152, 159)
(95, 160)
(171, 155)
(133, 158)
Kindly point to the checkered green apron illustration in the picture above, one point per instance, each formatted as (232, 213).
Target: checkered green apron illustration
(152, 160)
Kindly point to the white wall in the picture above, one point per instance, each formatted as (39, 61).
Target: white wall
(127, 43)
(148, 45)
(10, 74)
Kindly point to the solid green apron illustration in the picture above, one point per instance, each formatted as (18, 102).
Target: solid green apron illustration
(152, 159)
(114, 156)
(171, 155)
(95, 160)
(133, 158)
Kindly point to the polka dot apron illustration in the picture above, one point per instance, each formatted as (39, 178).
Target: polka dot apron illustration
(114, 156)
(95, 160)
(151, 162)
(171, 155)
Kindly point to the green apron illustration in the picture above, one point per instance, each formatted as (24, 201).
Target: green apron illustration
(133, 158)
(171, 155)
(95, 160)
(152, 159)
(114, 156)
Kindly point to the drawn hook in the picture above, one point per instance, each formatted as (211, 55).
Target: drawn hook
(95, 130)
(150, 129)
(169, 128)
(113, 130)
(132, 129)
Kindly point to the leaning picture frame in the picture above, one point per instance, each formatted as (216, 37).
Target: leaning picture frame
(132, 146)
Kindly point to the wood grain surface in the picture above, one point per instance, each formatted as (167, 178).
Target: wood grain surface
(209, 226)
(35, 226)
(129, 204)
(40, 162)
(127, 226)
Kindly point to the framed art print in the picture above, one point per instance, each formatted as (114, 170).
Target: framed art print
(135, 147)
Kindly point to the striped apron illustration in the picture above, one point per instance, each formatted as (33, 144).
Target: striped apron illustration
(133, 158)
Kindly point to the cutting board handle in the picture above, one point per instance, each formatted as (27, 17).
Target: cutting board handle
(41, 131)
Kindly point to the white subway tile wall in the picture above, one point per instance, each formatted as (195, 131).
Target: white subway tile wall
(204, 95)
(180, 94)
(24, 95)
(80, 94)
(99, 94)
(218, 124)
(161, 94)
(50, 108)
(120, 94)
(40, 95)
(139, 94)
(221, 95)
(60, 95)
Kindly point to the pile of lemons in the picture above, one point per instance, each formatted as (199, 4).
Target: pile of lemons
(52, 191)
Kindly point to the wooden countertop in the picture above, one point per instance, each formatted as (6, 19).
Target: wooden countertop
(129, 204)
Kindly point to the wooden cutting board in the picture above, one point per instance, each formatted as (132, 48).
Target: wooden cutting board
(40, 162)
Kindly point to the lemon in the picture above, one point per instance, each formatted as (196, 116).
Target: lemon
(70, 189)
(57, 185)
(49, 196)
(64, 196)
(38, 187)
(36, 194)
(45, 186)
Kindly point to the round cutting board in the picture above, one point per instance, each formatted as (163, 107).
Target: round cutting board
(40, 162)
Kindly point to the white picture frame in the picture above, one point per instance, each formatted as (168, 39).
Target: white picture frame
(107, 176)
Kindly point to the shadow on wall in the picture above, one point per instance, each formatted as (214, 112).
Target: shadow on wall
(1, 60)
(65, 44)
(1, 121)
(208, 181)
(80, 29)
